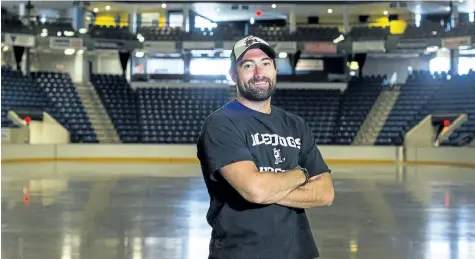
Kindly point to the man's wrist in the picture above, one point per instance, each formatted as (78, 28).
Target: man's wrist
(305, 173)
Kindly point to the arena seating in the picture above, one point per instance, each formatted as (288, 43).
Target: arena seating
(175, 115)
(121, 104)
(155, 33)
(428, 30)
(369, 33)
(414, 95)
(355, 104)
(12, 24)
(316, 33)
(111, 32)
(455, 96)
(20, 93)
(54, 28)
(67, 106)
(271, 33)
(318, 107)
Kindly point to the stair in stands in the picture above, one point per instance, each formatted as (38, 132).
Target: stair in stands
(100, 120)
(376, 118)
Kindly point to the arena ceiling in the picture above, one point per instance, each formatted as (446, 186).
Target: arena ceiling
(226, 10)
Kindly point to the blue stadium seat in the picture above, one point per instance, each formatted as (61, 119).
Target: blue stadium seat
(120, 102)
(355, 104)
(319, 107)
(66, 107)
(175, 115)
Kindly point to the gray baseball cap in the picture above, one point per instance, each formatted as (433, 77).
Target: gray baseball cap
(251, 42)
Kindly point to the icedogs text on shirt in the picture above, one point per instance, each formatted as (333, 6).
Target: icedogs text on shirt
(274, 140)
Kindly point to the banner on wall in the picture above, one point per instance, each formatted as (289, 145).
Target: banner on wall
(65, 43)
(455, 42)
(108, 45)
(319, 47)
(309, 65)
(412, 44)
(21, 40)
(160, 46)
(284, 46)
(369, 46)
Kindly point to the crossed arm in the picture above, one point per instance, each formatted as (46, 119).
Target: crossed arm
(282, 188)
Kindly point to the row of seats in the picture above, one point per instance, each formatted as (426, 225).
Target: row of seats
(355, 104)
(425, 94)
(175, 115)
(46, 91)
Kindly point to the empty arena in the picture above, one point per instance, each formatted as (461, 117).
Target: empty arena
(105, 106)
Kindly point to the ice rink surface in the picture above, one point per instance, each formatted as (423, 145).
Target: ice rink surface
(145, 211)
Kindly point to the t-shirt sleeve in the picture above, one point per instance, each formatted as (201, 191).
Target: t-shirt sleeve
(220, 144)
(310, 156)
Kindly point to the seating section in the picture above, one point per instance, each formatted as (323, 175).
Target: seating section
(369, 33)
(271, 33)
(20, 93)
(120, 102)
(355, 105)
(318, 107)
(455, 96)
(316, 33)
(175, 115)
(111, 32)
(415, 94)
(67, 106)
(156, 33)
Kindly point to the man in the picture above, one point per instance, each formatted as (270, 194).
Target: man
(261, 167)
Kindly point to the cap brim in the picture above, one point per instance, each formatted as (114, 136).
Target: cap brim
(262, 46)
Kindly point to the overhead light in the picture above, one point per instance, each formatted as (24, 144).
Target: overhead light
(274, 6)
(282, 55)
(252, 20)
(83, 30)
(164, 5)
(68, 33)
(69, 51)
(139, 54)
(447, 8)
(471, 17)
(385, 12)
(59, 34)
(460, 1)
(96, 10)
(330, 11)
(108, 7)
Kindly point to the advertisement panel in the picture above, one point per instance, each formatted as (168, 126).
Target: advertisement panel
(369, 46)
(65, 43)
(456, 42)
(319, 47)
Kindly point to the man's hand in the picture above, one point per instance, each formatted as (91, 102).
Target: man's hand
(318, 192)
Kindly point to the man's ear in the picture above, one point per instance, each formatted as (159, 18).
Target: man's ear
(233, 75)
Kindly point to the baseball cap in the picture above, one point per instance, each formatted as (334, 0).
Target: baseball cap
(251, 42)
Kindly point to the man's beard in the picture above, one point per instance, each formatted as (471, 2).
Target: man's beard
(256, 93)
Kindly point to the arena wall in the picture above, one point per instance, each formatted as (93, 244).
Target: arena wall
(171, 154)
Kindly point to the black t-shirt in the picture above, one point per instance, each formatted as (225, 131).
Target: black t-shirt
(275, 142)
